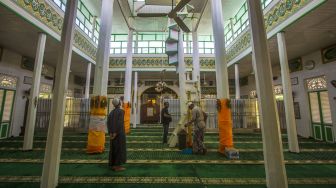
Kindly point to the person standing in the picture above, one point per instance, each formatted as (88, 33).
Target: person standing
(116, 129)
(197, 119)
(165, 120)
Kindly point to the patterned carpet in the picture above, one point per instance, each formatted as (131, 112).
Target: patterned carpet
(152, 164)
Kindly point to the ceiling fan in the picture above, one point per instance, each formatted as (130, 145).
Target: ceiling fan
(174, 14)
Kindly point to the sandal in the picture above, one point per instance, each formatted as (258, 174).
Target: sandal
(119, 168)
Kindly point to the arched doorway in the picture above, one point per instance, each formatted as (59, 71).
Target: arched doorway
(151, 102)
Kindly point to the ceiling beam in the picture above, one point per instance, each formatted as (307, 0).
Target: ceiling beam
(127, 13)
(200, 17)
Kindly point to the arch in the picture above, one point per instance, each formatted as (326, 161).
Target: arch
(150, 103)
(143, 89)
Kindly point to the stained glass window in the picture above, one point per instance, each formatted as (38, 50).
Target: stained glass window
(253, 94)
(45, 88)
(7, 81)
(278, 90)
(318, 83)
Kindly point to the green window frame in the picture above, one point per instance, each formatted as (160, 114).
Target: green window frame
(84, 18)
(240, 22)
(85, 21)
(4, 134)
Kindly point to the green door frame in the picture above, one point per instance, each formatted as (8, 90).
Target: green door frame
(321, 123)
(3, 105)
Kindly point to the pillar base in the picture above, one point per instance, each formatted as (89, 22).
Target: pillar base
(224, 125)
(96, 136)
(97, 126)
(127, 117)
(231, 153)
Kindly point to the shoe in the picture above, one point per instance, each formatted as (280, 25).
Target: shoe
(119, 168)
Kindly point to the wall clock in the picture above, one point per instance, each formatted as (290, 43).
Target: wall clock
(333, 82)
(309, 65)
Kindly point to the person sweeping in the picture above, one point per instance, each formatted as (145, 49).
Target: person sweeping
(198, 120)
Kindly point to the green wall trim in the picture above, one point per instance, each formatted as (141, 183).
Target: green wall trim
(281, 11)
(4, 130)
(159, 62)
(50, 17)
(278, 14)
(318, 132)
(241, 44)
(329, 134)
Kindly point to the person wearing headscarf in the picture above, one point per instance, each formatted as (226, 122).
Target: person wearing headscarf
(116, 130)
(197, 120)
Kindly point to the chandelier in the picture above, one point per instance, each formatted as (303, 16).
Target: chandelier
(160, 86)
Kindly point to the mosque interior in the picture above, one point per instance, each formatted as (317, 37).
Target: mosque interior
(263, 72)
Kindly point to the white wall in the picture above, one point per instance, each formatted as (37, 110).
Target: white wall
(72, 86)
(11, 65)
(304, 127)
(245, 90)
(301, 96)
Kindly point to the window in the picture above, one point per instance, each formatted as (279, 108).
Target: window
(7, 81)
(239, 22)
(85, 20)
(154, 43)
(318, 83)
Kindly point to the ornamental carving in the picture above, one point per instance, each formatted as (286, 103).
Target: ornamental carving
(45, 88)
(239, 46)
(318, 83)
(8, 81)
(208, 90)
(281, 11)
(47, 15)
(153, 83)
(43, 12)
(115, 90)
(84, 45)
(150, 62)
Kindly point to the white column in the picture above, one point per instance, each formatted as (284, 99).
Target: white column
(293, 144)
(136, 50)
(87, 83)
(272, 144)
(196, 75)
(94, 26)
(237, 81)
(138, 108)
(51, 163)
(231, 24)
(222, 81)
(135, 99)
(182, 76)
(34, 93)
(103, 53)
(128, 72)
(187, 44)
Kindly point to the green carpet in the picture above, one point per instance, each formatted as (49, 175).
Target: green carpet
(145, 144)
(168, 155)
